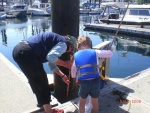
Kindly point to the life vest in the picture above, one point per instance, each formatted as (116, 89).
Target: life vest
(86, 63)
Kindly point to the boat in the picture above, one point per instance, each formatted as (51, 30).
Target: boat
(2, 15)
(89, 8)
(2, 11)
(39, 9)
(18, 10)
(96, 10)
(135, 14)
(84, 10)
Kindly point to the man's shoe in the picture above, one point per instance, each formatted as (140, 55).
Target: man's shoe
(39, 105)
(57, 111)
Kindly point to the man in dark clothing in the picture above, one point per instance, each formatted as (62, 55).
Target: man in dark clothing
(31, 53)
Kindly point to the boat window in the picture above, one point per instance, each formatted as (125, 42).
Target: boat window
(35, 6)
(113, 11)
(19, 7)
(106, 12)
(42, 5)
(133, 12)
(47, 5)
(122, 12)
(144, 12)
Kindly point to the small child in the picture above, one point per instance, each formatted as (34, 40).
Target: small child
(85, 68)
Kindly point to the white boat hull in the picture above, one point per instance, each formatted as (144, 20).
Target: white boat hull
(17, 10)
(38, 12)
(84, 11)
(17, 14)
(128, 20)
(2, 15)
(40, 9)
(95, 11)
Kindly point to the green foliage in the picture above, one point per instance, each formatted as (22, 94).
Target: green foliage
(139, 1)
(143, 1)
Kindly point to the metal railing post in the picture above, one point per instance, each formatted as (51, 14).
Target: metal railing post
(106, 67)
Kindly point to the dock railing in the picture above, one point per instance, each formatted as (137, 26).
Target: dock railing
(104, 46)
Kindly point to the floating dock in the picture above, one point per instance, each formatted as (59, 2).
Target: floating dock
(128, 30)
(17, 97)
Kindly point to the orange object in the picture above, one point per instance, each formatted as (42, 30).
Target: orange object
(71, 59)
(68, 84)
(77, 81)
(102, 77)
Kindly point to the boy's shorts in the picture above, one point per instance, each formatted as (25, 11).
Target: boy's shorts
(89, 87)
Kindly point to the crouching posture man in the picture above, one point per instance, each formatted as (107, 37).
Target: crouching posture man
(31, 53)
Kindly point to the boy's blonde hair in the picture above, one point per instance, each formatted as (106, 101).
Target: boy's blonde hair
(84, 41)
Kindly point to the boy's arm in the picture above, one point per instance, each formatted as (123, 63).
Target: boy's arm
(104, 53)
(55, 53)
(73, 70)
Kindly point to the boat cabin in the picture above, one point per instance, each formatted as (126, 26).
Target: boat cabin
(18, 6)
(39, 9)
(134, 14)
(38, 4)
(136, 10)
(115, 11)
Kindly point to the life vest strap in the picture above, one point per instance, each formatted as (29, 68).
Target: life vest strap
(87, 65)
(86, 73)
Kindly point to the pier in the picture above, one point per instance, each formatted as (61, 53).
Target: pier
(17, 97)
(129, 30)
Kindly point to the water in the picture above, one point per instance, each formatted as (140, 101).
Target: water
(130, 57)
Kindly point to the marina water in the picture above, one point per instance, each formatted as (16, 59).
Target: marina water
(130, 57)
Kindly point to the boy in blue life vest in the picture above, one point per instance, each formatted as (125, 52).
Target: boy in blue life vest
(85, 68)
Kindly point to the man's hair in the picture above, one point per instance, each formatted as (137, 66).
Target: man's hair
(84, 41)
(68, 42)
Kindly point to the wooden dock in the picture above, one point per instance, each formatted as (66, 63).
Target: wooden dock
(135, 88)
(129, 30)
(17, 97)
